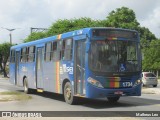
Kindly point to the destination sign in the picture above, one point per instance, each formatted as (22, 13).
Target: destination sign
(114, 33)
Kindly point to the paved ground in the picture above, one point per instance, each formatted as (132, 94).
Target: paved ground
(149, 90)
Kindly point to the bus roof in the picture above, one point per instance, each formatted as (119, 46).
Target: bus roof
(63, 36)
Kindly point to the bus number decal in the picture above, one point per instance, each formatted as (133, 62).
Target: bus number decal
(127, 84)
(64, 69)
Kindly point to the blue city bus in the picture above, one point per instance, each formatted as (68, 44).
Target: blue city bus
(90, 62)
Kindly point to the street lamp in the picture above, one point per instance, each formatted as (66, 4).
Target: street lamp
(10, 34)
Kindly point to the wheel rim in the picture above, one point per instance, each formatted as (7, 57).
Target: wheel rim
(68, 93)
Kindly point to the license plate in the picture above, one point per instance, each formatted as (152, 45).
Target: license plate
(118, 93)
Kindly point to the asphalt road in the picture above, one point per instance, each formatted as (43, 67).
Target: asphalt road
(54, 102)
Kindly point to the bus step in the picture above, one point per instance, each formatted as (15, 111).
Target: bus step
(39, 90)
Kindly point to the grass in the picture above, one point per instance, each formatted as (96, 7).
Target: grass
(10, 93)
(4, 78)
(13, 96)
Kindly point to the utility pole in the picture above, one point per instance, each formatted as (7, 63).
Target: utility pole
(38, 29)
(10, 34)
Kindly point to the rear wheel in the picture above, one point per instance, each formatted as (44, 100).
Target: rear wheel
(113, 99)
(68, 94)
(26, 89)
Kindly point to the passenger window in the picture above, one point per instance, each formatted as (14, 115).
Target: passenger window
(59, 48)
(55, 55)
(67, 49)
(48, 47)
(12, 60)
(24, 55)
(31, 56)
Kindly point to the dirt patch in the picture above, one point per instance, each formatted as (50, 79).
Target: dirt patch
(13, 96)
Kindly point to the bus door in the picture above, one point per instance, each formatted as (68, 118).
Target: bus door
(39, 67)
(80, 67)
(17, 67)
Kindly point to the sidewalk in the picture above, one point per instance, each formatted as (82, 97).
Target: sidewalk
(3, 90)
(2, 78)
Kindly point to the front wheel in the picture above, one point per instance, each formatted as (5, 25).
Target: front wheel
(68, 94)
(113, 99)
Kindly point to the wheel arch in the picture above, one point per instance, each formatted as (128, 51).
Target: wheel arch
(24, 79)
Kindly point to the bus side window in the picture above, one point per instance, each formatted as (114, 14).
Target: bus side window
(48, 47)
(59, 49)
(68, 49)
(63, 50)
(24, 55)
(12, 60)
(55, 53)
(31, 54)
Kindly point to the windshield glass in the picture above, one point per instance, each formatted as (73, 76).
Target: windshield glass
(113, 56)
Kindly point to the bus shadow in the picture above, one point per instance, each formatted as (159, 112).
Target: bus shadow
(102, 103)
(123, 102)
(50, 95)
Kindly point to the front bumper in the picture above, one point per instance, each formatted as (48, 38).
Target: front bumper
(95, 92)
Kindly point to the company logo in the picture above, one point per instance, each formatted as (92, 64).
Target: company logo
(6, 114)
(21, 114)
(65, 69)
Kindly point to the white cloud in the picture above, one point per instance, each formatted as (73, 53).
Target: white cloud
(42, 13)
(153, 22)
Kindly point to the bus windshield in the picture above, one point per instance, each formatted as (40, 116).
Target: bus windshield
(114, 56)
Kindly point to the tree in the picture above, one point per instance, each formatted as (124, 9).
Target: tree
(122, 18)
(152, 56)
(65, 25)
(125, 18)
(35, 36)
(146, 34)
(4, 55)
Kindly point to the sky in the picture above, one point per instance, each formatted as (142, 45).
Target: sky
(21, 15)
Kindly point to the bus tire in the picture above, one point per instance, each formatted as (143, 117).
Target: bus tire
(26, 89)
(154, 85)
(68, 94)
(113, 99)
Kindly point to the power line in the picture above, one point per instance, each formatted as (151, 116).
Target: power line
(38, 29)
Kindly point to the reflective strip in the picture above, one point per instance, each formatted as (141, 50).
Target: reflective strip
(113, 82)
(57, 78)
(116, 84)
(59, 36)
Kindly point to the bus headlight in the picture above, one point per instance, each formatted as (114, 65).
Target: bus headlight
(139, 81)
(94, 82)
